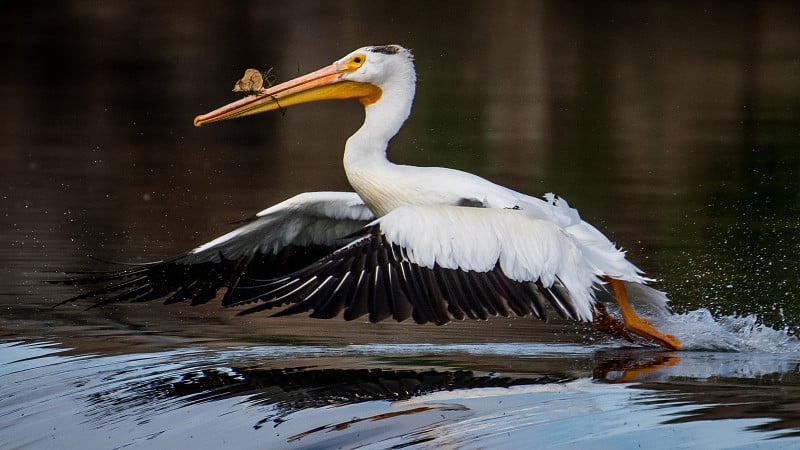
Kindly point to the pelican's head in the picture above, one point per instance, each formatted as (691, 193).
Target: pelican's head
(366, 74)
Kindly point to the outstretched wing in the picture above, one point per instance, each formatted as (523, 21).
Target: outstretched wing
(438, 263)
(276, 241)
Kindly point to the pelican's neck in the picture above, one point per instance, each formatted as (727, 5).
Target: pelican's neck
(382, 121)
(365, 161)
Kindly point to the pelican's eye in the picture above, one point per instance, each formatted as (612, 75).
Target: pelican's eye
(356, 61)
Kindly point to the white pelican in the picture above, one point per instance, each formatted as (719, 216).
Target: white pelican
(424, 242)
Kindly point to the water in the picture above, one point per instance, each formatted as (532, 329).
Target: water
(379, 396)
(674, 130)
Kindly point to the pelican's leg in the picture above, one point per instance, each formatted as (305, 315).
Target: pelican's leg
(608, 324)
(636, 324)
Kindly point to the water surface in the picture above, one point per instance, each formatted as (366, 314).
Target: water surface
(674, 129)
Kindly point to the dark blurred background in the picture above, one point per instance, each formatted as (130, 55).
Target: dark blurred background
(673, 127)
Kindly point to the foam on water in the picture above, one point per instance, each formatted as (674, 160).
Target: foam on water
(700, 330)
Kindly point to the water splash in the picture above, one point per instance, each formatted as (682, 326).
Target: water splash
(700, 330)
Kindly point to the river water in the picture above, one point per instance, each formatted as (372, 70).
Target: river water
(674, 129)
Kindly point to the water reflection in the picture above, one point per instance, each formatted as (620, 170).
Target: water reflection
(297, 388)
(734, 398)
(311, 395)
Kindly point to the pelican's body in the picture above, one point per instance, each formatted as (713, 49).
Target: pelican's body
(427, 242)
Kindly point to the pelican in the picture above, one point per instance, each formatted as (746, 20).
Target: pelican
(427, 243)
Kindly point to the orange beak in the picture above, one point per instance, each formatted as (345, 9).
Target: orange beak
(326, 83)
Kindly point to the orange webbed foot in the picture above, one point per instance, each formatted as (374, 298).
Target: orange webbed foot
(637, 325)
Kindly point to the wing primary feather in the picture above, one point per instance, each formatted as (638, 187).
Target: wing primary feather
(280, 288)
(356, 300)
(463, 299)
(472, 295)
(106, 290)
(263, 306)
(125, 296)
(298, 292)
(380, 306)
(415, 292)
(127, 286)
(449, 293)
(401, 306)
(518, 300)
(235, 278)
(496, 297)
(386, 263)
(345, 272)
(245, 295)
(185, 292)
(204, 293)
(333, 304)
(321, 287)
(564, 299)
(509, 298)
(397, 253)
(420, 297)
(308, 301)
(438, 303)
(178, 296)
(402, 289)
(280, 298)
(359, 301)
(103, 276)
(557, 305)
(487, 297)
(538, 298)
